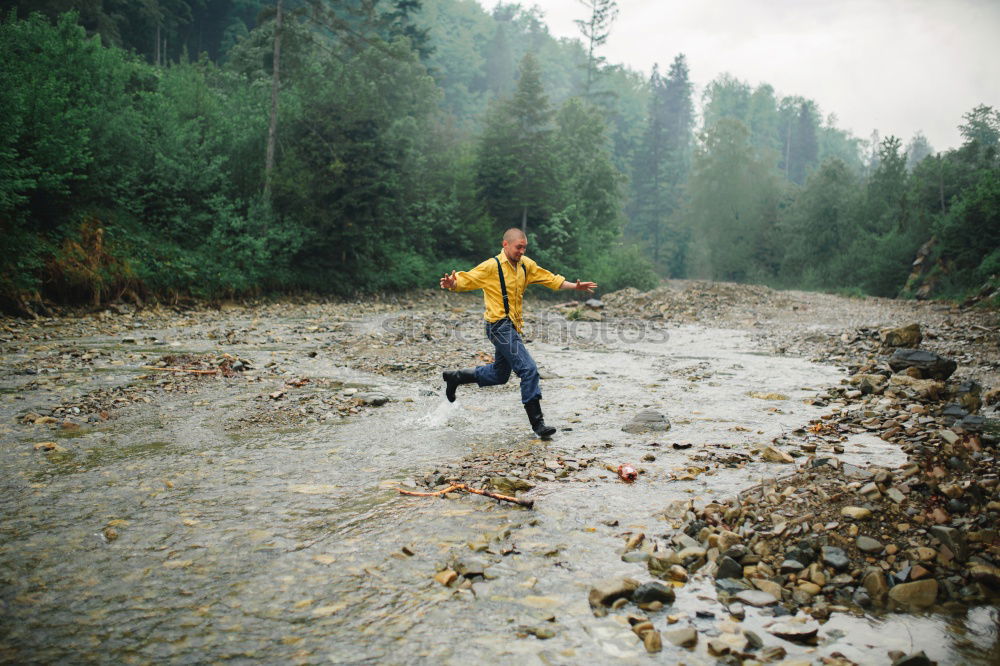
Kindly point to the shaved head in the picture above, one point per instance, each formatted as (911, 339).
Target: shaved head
(514, 244)
(513, 234)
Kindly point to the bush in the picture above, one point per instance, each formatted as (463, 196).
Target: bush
(624, 266)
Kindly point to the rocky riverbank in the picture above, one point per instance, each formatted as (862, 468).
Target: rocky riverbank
(830, 536)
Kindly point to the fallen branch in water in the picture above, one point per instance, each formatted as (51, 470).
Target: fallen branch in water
(469, 489)
(196, 372)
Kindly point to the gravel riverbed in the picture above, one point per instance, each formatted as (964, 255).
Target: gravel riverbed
(223, 483)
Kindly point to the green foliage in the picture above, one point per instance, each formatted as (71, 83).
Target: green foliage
(660, 169)
(624, 266)
(968, 234)
(734, 199)
(410, 134)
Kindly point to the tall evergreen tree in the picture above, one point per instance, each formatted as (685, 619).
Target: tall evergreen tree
(596, 29)
(648, 172)
(678, 111)
(918, 148)
(661, 167)
(515, 173)
(803, 149)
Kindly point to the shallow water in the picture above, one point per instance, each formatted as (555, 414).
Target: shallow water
(285, 544)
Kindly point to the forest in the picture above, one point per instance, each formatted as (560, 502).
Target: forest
(173, 149)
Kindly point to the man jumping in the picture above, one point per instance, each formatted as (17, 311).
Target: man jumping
(503, 279)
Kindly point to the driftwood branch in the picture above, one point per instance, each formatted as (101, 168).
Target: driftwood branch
(469, 489)
(194, 372)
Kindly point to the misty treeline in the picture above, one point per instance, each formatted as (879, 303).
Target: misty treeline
(224, 147)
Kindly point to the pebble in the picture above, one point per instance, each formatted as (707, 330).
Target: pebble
(835, 558)
(757, 598)
(605, 592)
(795, 631)
(919, 594)
(686, 637)
(653, 591)
(652, 641)
(856, 513)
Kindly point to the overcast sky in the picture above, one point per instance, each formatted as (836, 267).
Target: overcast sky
(897, 66)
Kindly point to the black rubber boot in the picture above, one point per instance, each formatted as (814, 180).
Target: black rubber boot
(455, 378)
(534, 410)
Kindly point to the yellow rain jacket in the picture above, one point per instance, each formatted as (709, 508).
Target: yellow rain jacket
(485, 277)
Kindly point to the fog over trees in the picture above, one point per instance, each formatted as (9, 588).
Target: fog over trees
(205, 149)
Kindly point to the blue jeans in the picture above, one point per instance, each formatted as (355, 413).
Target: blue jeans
(511, 354)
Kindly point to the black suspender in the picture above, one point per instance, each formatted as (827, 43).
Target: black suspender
(503, 285)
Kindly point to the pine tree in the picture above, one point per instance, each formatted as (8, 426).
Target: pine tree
(595, 30)
(662, 165)
(648, 172)
(515, 173)
(918, 148)
(804, 147)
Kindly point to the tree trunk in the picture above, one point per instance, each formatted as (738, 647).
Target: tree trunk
(272, 129)
(788, 151)
(941, 184)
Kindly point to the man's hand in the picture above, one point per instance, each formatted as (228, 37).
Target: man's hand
(588, 287)
(449, 281)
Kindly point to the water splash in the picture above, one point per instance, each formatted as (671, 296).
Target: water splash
(439, 416)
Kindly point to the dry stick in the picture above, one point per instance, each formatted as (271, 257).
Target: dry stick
(196, 372)
(433, 494)
(506, 498)
(461, 486)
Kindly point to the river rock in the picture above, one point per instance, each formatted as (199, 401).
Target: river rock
(905, 336)
(986, 573)
(870, 384)
(660, 565)
(768, 586)
(684, 637)
(471, 566)
(927, 389)
(919, 594)
(652, 641)
(647, 421)
(605, 592)
(835, 558)
(374, 398)
(895, 495)
(878, 589)
(968, 394)
(914, 659)
(869, 545)
(757, 598)
(954, 539)
(798, 632)
(678, 573)
(653, 591)
(729, 568)
(930, 365)
(856, 513)
(510, 484)
(791, 566)
(634, 556)
(776, 455)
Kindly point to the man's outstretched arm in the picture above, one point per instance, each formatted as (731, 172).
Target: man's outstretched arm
(588, 287)
(467, 280)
